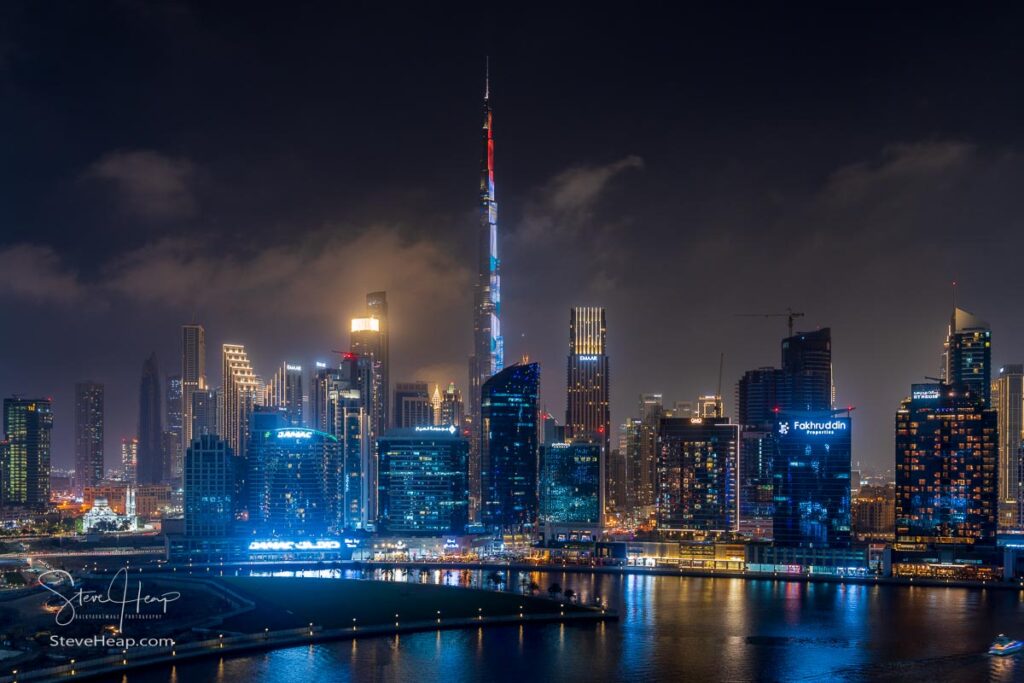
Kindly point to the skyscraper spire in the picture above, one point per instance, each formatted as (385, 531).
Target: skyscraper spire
(488, 345)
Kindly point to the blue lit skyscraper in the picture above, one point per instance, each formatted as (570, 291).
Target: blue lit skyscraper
(812, 479)
(291, 480)
(509, 430)
(423, 482)
(570, 484)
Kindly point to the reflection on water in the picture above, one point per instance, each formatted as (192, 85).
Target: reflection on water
(671, 628)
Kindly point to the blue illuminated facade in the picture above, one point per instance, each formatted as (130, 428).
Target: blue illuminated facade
(292, 482)
(509, 430)
(811, 477)
(423, 485)
(571, 483)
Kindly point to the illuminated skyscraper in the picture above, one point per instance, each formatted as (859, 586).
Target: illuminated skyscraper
(571, 490)
(1008, 400)
(451, 406)
(25, 453)
(240, 389)
(968, 354)
(129, 459)
(587, 415)
(697, 474)
(341, 407)
(435, 404)
(946, 468)
(811, 454)
(509, 425)
(369, 338)
(150, 464)
(423, 484)
(88, 435)
(644, 465)
(757, 403)
(174, 429)
(488, 344)
(292, 481)
(709, 406)
(193, 373)
(285, 392)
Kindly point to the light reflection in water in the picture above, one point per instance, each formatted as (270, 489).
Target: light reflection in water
(672, 628)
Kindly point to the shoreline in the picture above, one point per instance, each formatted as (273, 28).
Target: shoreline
(343, 565)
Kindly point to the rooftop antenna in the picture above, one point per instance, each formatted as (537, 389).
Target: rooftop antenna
(954, 295)
(718, 403)
(487, 77)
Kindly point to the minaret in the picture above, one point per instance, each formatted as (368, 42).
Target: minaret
(488, 347)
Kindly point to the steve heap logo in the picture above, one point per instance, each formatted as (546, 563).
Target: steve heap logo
(126, 600)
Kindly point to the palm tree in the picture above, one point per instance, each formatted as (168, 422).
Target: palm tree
(553, 590)
(524, 584)
(569, 594)
(534, 587)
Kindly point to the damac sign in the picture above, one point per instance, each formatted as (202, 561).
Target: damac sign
(294, 545)
(813, 427)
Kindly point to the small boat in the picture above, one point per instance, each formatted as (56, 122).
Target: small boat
(1005, 646)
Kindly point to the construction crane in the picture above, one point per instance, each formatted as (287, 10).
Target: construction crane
(790, 316)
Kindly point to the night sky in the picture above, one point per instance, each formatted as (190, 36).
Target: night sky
(261, 168)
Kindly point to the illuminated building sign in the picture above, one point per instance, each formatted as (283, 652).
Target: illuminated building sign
(450, 429)
(588, 359)
(814, 427)
(284, 546)
(365, 325)
(924, 394)
(321, 364)
(295, 434)
(293, 368)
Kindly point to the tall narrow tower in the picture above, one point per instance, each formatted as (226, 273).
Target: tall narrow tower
(488, 346)
(587, 415)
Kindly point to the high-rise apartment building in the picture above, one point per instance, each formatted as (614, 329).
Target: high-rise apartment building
(571, 485)
(652, 411)
(241, 391)
(204, 413)
(698, 460)
(88, 435)
(947, 477)
(452, 412)
(25, 453)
